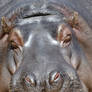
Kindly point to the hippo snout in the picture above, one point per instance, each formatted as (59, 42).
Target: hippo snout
(53, 81)
(53, 77)
(30, 81)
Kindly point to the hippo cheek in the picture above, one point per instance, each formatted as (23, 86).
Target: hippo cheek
(14, 60)
(15, 51)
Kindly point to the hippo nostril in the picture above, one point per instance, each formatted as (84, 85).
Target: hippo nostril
(55, 77)
(30, 80)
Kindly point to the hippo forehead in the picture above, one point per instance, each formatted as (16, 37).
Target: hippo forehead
(29, 26)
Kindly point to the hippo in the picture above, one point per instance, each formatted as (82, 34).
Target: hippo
(48, 74)
(42, 53)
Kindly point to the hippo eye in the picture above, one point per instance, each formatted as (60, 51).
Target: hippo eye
(54, 77)
(30, 80)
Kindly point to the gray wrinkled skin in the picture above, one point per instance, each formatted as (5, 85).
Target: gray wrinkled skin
(42, 56)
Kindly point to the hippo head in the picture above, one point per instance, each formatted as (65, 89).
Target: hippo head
(36, 53)
(43, 67)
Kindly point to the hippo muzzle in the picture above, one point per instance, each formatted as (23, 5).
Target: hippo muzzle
(46, 81)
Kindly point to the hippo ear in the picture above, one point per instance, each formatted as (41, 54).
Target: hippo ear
(73, 20)
(6, 25)
(64, 35)
(16, 39)
(16, 52)
(6, 28)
